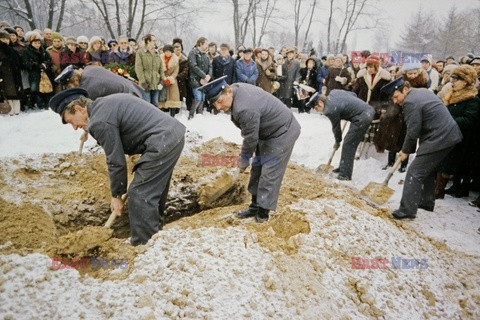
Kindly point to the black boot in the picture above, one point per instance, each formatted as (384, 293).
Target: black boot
(441, 182)
(463, 190)
(262, 215)
(391, 160)
(251, 211)
(172, 112)
(403, 166)
(454, 187)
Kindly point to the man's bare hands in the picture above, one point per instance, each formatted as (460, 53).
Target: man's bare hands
(116, 205)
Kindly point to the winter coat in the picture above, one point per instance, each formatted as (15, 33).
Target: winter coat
(98, 58)
(10, 73)
(32, 61)
(322, 74)
(465, 110)
(224, 67)
(433, 77)
(55, 54)
(199, 66)
(171, 73)
(266, 74)
(19, 47)
(309, 77)
(330, 81)
(290, 70)
(429, 123)
(149, 68)
(246, 72)
(369, 91)
(182, 77)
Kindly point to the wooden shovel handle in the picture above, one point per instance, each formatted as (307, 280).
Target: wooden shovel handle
(390, 174)
(114, 214)
(81, 147)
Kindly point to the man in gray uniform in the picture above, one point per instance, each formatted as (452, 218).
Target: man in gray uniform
(123, 124)
(344, 105)
(429, 122)
(98, 82)
(269, 130)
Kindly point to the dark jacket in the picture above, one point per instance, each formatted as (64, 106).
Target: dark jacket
(199, 66)
(182, 77)
(466, 115)
(224, 67)
(290, 70)
(34, 61)
(429, 122)
(322, 74)
(309, 77)
(124, 57)
(78, 58)
(330, 81)
(10, 73)
(100, 82)
(123, 124)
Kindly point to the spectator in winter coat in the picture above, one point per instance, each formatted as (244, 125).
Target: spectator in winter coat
(124, 54)
(224, 65)
(266, 71)
(246, 69)
(55, 51)
(338, 76)
(182, 77)
(322, 73)
(97, 54)
(171, 67)
(433, 76)
(35, 60)
(149, 69)
(290, 69)
(82, 42)
(72, 55)
(308, 76)
(20, 33)
(200, 74)
(10, 73)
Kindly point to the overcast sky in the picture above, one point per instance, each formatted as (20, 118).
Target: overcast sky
(218, 22)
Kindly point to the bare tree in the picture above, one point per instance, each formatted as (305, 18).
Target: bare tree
(329, 28)
(298, 18)
(265, 14)
(32, 13)
(241, 19)
(312, 11)
(472, 37)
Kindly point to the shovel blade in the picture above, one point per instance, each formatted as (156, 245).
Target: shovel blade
(377, 192)
(324, 168)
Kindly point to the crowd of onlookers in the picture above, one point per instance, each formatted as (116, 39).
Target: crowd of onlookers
(170, 77)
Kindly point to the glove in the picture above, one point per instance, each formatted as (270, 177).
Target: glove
(145, 86)
(336, 145)
(167, 82)
(160, 86)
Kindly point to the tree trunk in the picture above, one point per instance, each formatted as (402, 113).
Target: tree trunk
(60, 16)
(51, 7)
(329, 25)
(309, 24)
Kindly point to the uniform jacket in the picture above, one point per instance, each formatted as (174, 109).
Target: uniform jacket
(246, 71)
(100, 82)
(224, 67)
(199, 66)
(429, 122)
(10, 73)
(149, 68)
(344, 105)
(260, 116)
(123, 124)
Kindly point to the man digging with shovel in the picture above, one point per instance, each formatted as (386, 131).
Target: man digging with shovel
(429, 122)
(343, 105)
(269, 130)
(124, 124)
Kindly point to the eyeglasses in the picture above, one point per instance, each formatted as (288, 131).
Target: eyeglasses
(113, 44)
(123, 42)
(82, 43)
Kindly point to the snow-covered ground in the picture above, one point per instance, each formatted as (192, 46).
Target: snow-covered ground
(214, 273)
(453, 221)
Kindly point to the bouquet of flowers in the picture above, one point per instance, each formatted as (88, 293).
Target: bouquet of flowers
(123, 70)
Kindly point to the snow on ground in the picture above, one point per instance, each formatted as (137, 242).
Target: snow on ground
(453, 222)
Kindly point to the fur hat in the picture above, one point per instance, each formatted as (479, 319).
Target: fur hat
(278, 57)
(32, 36)
(339, 56)
(373, 60)
(56, 35)
(82, 39)
(70, 40)
(4, 34)
(93, 40)
(465, 73)
(10, 30)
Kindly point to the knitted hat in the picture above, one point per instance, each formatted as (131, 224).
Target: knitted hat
(93, 40)
(82, 39)
(330, 57)
(56, 35)
(411, 66)
(373, 60)
(465, 73)
(449, 68)
(339, 56)
(278, 57)
(70, 40)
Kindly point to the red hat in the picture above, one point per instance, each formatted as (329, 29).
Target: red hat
(373, 60)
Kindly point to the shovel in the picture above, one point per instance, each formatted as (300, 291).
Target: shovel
(82, 141)
(114, 214)
(327, 168)
(380, 192)
(212, 190)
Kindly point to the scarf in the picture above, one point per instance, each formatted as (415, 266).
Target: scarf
(467, 93)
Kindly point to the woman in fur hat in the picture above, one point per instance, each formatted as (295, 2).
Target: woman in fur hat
(464, 106)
